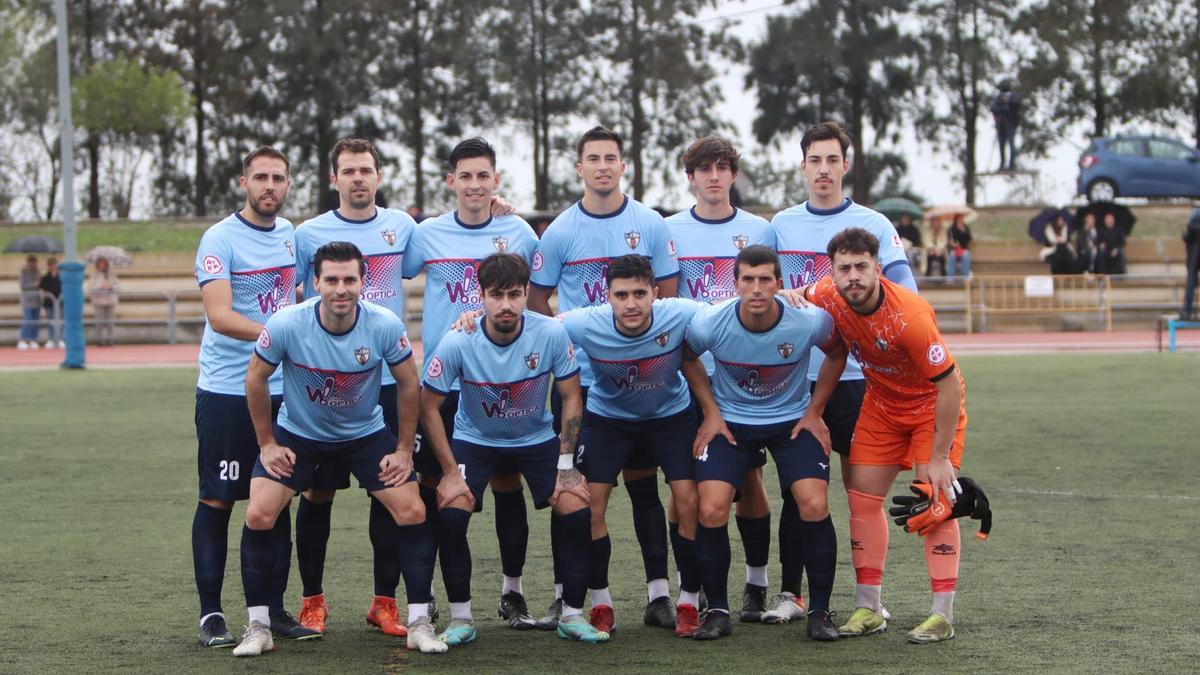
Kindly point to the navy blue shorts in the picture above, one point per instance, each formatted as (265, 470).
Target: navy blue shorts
(794, 459)
(227, 444)
(423, 457)
(331, 477)
(608, 445)
(537, 463)
(759, 460)
(841, 413)
(360, 456)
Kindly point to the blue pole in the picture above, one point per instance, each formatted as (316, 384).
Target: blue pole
(71, 269)
(72, 303)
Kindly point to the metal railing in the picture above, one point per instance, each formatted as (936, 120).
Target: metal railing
(1038, 294)
(171, 299)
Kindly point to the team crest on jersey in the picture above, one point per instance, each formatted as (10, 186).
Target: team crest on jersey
(740, 241)
(402, 343)
(662, 338)
(785, 349)
(633, 238)
(389, 236)
(881, 344)
(290, 250)
(361, 354)
(501, 244)
(532, 359)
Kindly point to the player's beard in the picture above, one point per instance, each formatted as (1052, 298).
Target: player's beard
(266, 212)
(360, 203)
(867, 293)
(506, 323)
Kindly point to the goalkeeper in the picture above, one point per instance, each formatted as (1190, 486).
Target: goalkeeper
(913, 413)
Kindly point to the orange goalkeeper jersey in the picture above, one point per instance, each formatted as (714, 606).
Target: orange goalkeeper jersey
(899, 346)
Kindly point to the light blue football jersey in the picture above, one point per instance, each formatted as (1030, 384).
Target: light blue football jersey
(574, 253)
(504, 387)
(331, 381)
(382, 239)
(260, 266)
(450, 252)
(706, 250)
(636, 378)
(760, 376)
(802, 234)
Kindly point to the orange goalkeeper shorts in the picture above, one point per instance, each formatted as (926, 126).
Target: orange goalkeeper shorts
(900, 440)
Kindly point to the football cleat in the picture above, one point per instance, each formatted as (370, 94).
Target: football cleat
(602, 619)
(313, 612)
(716, 624)
(459, 632)
(384, 616)
(754, 600)
(255, 640)
(863, 621)
(577, 628)
(285, 626)
(687, 620)
(421, 637)
(550, 621)
(936, 628)
(434, 612)
(214, 633)
(820, 626)
(784, 607)
(513, 608)
(660, 613)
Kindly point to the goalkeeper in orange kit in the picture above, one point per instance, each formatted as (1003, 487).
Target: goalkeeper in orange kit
(913, 414)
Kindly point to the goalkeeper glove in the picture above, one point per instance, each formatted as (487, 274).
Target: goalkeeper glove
(917, 513)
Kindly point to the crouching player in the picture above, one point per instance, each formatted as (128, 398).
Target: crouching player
(332, 349)
(503, 426)
(761, 348)
(913, 413)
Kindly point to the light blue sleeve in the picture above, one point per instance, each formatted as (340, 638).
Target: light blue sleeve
(446, 364)
(414, 255)
(699, 333)
(891, 253)
(575, 323)
(547, 261)
(272, 341)
(527, 242)
(213, 257)
(304, 256)
(396, 348)
(901, 273)
(662, 256)
(564, 354)
(822, 327)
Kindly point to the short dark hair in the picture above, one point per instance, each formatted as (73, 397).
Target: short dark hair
(630, 266)
(753, 256)
(353, 146)
(824, 131)
(853, 240)
(338, 251)
(710, 150)
(264, 151)
(501, 271)
(599, 134)
(470, 148)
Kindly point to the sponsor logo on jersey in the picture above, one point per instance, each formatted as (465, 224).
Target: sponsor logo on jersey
(435, 368)
(533, 359)
(269, 302)
(881, 344)
(290, 250)
(786, 349)
(597, 290)
(463, 291)
(570, 351)
(663, 338)
(212, 264)
(362, 354)
(402, 343)
(321, 395)
(501, 244)
(389, 236)
(897, 243)
(671, 246)
(264, 339)
(740, 241)
(936, 354)
(633, 238)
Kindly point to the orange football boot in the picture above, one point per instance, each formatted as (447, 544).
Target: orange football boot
(384, 616)
(313, 612)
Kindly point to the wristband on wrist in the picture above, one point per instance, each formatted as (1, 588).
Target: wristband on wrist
(566, 462)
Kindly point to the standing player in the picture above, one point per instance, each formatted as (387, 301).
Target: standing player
(502, 425)
(802, 233)
(707, 237)
(914, 413)
(332, 349)
(761, 347)
(573, 255)
(449, 248)
(246, 269)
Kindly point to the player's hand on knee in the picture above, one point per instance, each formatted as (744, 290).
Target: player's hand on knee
(709, 430)
(277, 460)
(816, 426)
(451, 487)
(466, 321)
(570, 481)
(394, 469)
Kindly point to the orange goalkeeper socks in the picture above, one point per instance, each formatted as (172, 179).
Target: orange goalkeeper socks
(941, 559)
(868, 545)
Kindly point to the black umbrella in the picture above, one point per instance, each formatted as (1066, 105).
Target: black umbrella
(36, 244)
(1037, 224)
(1125, 217)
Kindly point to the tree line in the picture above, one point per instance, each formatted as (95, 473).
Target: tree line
(174, 92)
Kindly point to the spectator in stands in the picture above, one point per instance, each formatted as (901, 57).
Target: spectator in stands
(1085, 244)
(1191, 238)
(51, 287)
(937, 240)
(1058, 251)
(31, 304)
(960, 248)
(102, 288)
(910, 236)
(1110, 247)
(1006, 114)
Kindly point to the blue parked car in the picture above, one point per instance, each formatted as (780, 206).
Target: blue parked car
(1138, 166)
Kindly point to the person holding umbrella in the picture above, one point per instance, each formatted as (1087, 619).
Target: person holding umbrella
(102, 288)
(31, 304)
